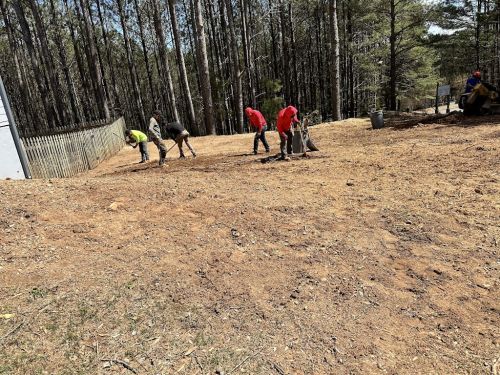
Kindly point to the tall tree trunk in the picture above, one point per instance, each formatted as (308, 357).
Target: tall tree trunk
(336, 62)
(349, 53)
(32, 117)
(131, 67)
(75, 113)
(42, 88)
(393, 68)
(100, 61)
(145, 53)
(93, 62)
(165, 68)
(227, 64)
(319, 57)
(477, 46)
(163, 101)
(247, 52)
(48, 65)
(285, 53)
(115, 101)
(182, 68)
(86, 104)
(202, 57)
(274, 46)
(496, 49)
(219, 94)
(294, 94)
(236, 73)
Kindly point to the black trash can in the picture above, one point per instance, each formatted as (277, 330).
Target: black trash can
(377, 119)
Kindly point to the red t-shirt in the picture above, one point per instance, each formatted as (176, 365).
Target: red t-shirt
(286, 117)
(256, 118)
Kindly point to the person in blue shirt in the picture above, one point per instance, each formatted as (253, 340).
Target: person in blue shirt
(473, 81)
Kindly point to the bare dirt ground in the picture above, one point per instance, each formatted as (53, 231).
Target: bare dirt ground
(377, 255)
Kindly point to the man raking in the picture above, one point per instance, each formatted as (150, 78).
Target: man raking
(136, 138)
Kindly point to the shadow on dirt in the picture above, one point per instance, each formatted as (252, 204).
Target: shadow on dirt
(208, 164)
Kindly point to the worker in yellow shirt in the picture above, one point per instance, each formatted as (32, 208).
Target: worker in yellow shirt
(140, 139)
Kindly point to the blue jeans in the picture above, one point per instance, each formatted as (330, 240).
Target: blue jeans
(262, 137)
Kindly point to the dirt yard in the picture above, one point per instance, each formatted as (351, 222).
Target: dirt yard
(377, 255)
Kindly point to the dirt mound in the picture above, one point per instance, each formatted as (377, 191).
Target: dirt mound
(378, 254)
(401, 120)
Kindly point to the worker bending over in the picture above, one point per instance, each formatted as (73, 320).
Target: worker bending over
(258, 122)
(139, 139)
(286, 118)
(177, 132)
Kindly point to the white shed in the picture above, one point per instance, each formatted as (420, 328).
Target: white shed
(13, 162)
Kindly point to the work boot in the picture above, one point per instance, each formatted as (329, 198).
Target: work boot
(182, 157)
(255, 152)
(268, 151)
(162, 161)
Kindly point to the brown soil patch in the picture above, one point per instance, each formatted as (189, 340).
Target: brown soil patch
(378, 254)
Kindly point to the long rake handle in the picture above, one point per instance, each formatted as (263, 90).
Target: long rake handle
(175, 144)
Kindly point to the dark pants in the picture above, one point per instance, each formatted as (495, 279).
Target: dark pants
(184, 137)
(161, 148)
(143, 148)
(287, 142)
(262, 137)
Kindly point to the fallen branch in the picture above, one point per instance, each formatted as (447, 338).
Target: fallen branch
(119, 362)
(242, 362)
(42, 309)
(277, 368)
(198, 362)
(12, 331)
(494, 367)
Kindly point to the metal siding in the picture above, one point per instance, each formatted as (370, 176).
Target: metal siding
(10, 165)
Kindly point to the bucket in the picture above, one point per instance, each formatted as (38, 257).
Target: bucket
(377, 119)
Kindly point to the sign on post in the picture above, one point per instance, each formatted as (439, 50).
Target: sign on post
(443, 90)
(14, 163)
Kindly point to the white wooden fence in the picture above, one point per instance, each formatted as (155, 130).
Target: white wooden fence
(69, 153)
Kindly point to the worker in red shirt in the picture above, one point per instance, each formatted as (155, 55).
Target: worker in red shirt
(286, 117)
(259, 123)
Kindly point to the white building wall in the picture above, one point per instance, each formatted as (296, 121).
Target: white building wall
(10, 164)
